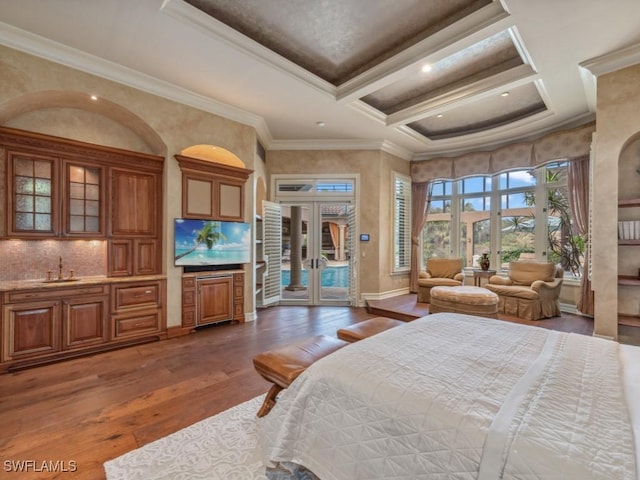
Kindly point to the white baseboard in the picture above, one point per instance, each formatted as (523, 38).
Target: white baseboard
(382, 295)
(606, 337)
(566, 307)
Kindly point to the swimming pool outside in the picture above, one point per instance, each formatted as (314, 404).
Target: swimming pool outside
(330, 277)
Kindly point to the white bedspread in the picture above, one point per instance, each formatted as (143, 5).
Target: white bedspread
(457, 397)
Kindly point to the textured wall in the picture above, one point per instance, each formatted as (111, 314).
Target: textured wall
(33, 97)
(375, 207)
(617, 125)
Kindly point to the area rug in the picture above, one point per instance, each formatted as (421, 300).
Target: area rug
(220, 447)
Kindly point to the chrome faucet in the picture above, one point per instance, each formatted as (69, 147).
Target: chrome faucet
(60, 270)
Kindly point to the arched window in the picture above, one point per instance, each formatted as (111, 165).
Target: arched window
(519, 214)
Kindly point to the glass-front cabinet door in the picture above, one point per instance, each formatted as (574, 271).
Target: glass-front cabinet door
(83, 200)
(32, 196)
(51, 197)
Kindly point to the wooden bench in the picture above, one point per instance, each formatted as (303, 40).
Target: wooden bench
(367, 328)
(281, 366)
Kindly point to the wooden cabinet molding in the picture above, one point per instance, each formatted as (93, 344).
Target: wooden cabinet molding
(212, 297)
(211, 190)
(40, 144)
(97, 192)
(44, 325)
(137, 309)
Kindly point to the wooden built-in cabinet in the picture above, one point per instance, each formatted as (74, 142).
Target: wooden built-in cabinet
(212, 191)
(212, 297)
(215, 299)
(136, 200)
(61, 189)
(49, 197)
(85, 321)
(137, 309)
(41, 325)
(58, 188)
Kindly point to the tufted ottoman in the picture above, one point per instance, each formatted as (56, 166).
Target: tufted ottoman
(283, 365)
(468, 300)
(367, 328)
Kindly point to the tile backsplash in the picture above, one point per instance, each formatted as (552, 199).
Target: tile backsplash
(30, 259)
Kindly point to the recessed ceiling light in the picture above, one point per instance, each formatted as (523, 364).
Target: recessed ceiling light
(94, 97)
(439, 115)
(504, 94)
(426, 68)
(320, 124)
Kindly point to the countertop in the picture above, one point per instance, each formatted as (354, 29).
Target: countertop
(17, 285)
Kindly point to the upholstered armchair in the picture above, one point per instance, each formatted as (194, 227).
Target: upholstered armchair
(440, 272)
(531, 291)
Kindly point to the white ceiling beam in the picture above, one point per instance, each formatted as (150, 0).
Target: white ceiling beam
(468, 31)
(511, 78)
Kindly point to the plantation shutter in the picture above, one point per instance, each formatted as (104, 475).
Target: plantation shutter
(402, 224)
(272, 241)
(353, 258)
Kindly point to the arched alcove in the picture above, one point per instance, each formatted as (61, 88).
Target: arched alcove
(629, 228)
(213, 153)
(65, 113)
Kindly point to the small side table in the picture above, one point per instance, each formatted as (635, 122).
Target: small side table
(479, 274)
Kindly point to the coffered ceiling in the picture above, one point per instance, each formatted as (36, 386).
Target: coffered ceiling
(419, 78)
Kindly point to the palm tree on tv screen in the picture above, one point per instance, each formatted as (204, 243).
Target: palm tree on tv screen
(209, 234)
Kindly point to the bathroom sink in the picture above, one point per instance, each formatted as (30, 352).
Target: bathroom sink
(61, 280)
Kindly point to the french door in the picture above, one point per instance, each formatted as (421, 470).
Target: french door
(317, 252)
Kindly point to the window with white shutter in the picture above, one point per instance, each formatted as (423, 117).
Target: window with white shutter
(401, 223)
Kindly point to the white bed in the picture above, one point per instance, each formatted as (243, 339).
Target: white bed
(452, 396)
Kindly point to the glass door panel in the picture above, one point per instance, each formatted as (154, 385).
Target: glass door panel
(333, 265)
(315, 253)
(295, 253)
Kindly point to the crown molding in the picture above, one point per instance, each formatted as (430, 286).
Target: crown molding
(496, 140)
(591, 69)
(70, 57)
(340, 144)
(610, 62)
(398, 151)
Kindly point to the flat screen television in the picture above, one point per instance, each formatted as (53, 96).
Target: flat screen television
(210, 242)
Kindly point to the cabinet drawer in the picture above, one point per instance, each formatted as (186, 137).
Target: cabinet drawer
(188, 298)
(238, 291)
(141, 323)
(136, 296)
(56, 293)
(188, 317)
(189, 282)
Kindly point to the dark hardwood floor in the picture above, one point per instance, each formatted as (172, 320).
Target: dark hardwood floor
(93, 409)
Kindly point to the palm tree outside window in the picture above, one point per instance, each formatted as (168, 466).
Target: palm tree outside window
(512, 215)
